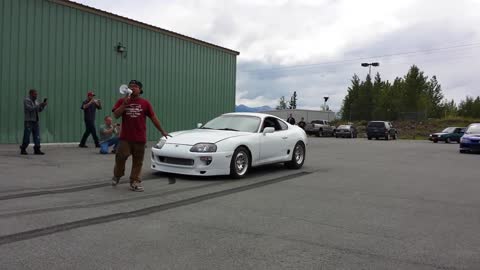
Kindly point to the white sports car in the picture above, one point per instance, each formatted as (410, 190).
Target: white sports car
(231, 144)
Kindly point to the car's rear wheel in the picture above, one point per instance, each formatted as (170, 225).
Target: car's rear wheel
(447, 140)
(298, 156)
(240, 162)
(320, 133)
(387, 137)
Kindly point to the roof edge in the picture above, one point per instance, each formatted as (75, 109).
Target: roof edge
(106, 14)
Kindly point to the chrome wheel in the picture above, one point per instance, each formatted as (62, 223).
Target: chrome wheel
(299, 154)
(241, 162)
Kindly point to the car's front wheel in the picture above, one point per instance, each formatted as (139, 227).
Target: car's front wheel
(298, 156)
(240, 162)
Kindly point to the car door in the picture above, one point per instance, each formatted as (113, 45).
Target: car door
(272, 144)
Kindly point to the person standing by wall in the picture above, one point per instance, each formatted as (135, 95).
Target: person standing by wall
(302, 123)
(31, 108)
(89, 107)
(291, 120)
(134, 110)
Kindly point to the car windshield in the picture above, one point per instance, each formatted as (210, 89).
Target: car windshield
(376, 124)
(449, 130)
(473, 129)
(343, 127)
(243, 123)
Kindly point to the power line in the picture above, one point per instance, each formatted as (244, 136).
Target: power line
(462, 46)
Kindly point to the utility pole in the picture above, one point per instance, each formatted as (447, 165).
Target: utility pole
(369, 65)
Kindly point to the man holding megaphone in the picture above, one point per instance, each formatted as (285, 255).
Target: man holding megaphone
(133, 136)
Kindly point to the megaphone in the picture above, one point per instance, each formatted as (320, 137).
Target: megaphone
(124, 90)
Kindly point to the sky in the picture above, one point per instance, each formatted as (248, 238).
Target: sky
(314, 47)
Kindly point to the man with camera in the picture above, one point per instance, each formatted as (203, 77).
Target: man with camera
(109, 135)
(89, 107)
(31, 108)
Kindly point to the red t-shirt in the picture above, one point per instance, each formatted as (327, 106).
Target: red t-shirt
(134, 126)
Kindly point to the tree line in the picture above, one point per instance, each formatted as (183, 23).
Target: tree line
(412, 97)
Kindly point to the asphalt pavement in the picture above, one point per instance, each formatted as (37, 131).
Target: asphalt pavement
(356, 204)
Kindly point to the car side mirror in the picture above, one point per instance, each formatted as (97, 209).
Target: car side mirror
(268, 130)
(199, 125)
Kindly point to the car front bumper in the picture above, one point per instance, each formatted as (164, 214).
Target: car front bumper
(179, 160)
(470, 147)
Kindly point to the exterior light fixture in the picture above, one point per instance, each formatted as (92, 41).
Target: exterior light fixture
(121, 49)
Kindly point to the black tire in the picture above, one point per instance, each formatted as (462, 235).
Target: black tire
(387, 137)
(447, 140)
(395, 137)
(320, 133)
(376, 138)
(298, 156)
(240, 163)
(336, 136)
(369, 138)
(435, 141)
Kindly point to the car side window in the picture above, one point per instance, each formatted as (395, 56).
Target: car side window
(275, 123)
(283, 126)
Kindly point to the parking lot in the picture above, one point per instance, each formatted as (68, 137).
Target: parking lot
(356, 204)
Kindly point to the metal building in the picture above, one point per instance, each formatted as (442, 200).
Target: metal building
(308, 115)
(64, 49)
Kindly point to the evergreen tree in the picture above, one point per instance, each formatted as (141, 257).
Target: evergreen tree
(282, 104)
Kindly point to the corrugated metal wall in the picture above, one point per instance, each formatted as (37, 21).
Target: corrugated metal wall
(63, 52)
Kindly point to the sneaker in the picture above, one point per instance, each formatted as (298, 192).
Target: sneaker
(136, 187)
(82, 146)
(115, 180)
(23, 151)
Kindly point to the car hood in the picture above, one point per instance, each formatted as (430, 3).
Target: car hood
(191, 137)
(472, 136)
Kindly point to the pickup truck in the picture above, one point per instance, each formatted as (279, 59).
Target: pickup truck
(320, 128)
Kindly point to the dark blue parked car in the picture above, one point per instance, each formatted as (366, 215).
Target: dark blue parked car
(470, 141)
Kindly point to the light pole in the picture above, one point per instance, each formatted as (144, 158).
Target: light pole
(369, 65)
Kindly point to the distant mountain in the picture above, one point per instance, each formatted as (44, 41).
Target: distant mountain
(243, 108)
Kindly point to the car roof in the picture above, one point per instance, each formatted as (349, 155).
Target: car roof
(261, 115)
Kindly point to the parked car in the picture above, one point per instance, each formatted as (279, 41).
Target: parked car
(450, 134)
(381, 129)
(470, 141)
(346, 131)
(231, 144)
(320, 128)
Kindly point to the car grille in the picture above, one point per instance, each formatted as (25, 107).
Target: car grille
(434, 136)
(176, 161)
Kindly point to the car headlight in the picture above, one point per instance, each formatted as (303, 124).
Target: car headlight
(160, 144)
(204, 147)
(464, 140)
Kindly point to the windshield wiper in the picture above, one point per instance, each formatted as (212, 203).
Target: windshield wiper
(231, 129)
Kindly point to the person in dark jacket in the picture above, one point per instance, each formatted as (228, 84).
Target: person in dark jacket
(89, 107)
(31, 108)
(291, 120)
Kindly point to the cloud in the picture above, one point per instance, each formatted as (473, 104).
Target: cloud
(274, 35)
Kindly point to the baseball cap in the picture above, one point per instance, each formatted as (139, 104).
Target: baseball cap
(90, 94)
(140, 85)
